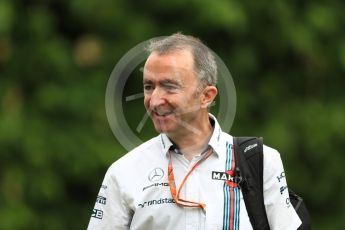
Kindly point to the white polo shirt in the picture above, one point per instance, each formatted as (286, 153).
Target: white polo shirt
(135, 193)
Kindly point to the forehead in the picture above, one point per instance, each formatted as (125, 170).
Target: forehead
(174, 64)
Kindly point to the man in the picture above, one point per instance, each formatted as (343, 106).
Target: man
(166, 182)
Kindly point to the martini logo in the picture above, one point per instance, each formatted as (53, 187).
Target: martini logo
(228, 177)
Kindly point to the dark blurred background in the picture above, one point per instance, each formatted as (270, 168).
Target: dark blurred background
(287, 59)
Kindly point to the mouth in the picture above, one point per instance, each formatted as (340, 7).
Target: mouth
(162, 114)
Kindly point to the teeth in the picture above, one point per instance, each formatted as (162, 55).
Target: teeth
(163, 114)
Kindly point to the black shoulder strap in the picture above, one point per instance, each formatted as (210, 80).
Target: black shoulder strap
(249, 167)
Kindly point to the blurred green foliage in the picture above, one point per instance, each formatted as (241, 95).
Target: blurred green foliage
(287, 59)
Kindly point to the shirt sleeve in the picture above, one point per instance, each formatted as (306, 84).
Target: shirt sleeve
(111, 210)
(280, 212)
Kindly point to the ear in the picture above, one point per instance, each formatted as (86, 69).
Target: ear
(208, 95)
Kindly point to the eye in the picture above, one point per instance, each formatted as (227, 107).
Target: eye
(171, 87)
(148, 87)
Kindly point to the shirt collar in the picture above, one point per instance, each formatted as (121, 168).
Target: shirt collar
(216, 136)
(214, 142)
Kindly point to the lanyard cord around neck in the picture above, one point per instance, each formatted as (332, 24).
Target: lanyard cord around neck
(172, 184)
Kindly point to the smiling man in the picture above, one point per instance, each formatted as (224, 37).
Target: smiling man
(180, 179)
(177, 100)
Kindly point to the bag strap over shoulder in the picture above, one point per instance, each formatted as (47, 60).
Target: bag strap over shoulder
(249, 167)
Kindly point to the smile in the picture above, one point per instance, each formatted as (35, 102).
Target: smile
(162, 114)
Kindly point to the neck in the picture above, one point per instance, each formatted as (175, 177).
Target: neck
(195, 139)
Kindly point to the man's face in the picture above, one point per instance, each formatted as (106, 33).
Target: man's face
(170, 92)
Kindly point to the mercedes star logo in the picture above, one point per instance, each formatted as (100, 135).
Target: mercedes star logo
(156, 175)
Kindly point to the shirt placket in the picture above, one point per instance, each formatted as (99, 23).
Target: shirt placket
(192, 192)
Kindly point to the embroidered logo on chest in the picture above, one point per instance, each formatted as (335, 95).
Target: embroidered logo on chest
(228, 177)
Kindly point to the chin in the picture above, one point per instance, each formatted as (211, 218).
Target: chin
(163, 128)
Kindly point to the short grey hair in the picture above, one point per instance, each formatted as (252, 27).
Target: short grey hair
(204, 61)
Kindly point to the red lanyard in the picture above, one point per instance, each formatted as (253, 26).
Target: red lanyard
(172, 185)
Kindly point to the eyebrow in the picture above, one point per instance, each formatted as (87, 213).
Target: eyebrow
(164, 82)
(170, 82)
(147, 81)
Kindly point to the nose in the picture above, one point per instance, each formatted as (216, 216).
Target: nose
(157, 98)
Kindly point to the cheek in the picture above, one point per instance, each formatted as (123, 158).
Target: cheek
(191, 105)
(146, 102)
